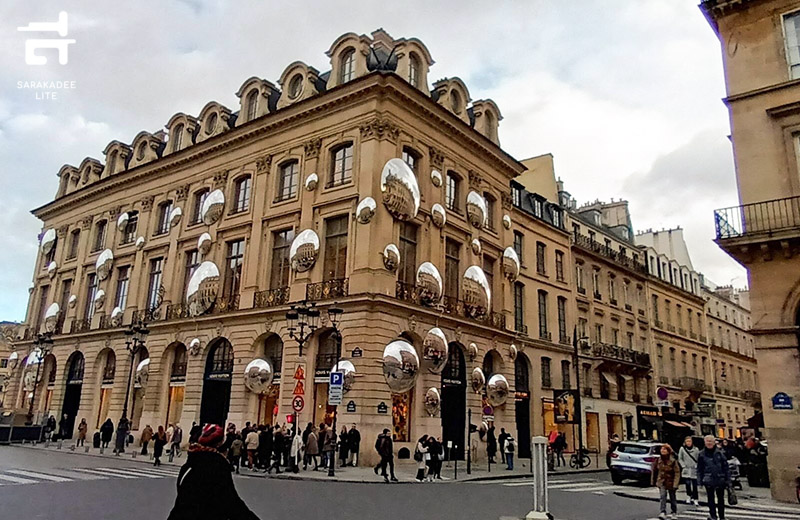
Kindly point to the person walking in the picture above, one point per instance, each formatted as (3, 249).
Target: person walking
(501, 439)
(419, 457)
(321, 440)
(491, 444)
(50, 427)
(354, 438)
(687, 458)
(510, 449)
(306, 433)
(666, 475)
(433, 455)
(613, 443)
(177, 439)
(385, 448)
(205, 486)
(158, 445)
(714, 474)
(439, 456)
(251, 445)
(123, 427)
(170, 430)
(235, 454)
(277, 449)
(106, 432)
(559, 445)
(312, 448)
(62, 427)
(82, 429)
(144, 440)
(329, 446)
(344, 446)
(296, 451)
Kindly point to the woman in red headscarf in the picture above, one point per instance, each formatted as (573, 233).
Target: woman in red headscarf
(205, 485)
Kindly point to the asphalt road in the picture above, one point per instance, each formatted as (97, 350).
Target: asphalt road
(45, 485)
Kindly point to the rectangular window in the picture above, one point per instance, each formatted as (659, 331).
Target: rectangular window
(452, 254)
(341, 165)
(579, 279)
(75, 238)
(582, 334)
(596, 283)
(490, 208)
(668, 311)
(241, 196)
(452, 188)
(335, 248)
(129, 233)
(154, 288)
(518, 244)
(598, 332)
(164, 209)
(655, 307)
(43, 294)
(612, 290)
(519, 314)
(562, 320)
(281, 243)
(560, 266)
(615, 337)
(289, 178)
(199, 199)
(99, 236)
(630, 340)
(407, 273)
(541, 260)
(516, 196)
(411, 158)
(233, 268)
(565, 376)
(543, 334)
(488, 270)
(192, 262)
(123, 279)
(546, 380)
(66, 292)
(91, 292)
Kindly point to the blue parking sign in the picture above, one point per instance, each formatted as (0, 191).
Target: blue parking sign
(337, 379)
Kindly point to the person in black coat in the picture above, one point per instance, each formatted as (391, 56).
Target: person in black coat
(354, 437)
(264, 446)
(501, 439)
(491, 444)
(714, 474)
(277, 450)
(50, 427)
(195, 433)
(205, 485)
(106, 432)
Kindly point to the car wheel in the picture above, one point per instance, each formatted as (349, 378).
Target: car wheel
(616, 478)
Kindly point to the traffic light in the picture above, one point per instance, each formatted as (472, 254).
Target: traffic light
(290, 418)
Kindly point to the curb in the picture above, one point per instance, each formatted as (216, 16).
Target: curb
(705, 504)
(126, 457)
(528, 475)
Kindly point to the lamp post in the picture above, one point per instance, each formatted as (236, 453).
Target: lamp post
(335, 317)
(136, 335)
(303, 320)
(578, 405)
(44, 343)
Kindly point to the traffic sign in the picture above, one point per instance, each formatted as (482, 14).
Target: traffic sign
(335, 388)
(298, 403)
(337, 378)
(299, 389)
(299, 372)
(662, 393)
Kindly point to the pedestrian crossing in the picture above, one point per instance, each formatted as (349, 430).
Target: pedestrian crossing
(597, 487)
(701, 513)
(21, 476)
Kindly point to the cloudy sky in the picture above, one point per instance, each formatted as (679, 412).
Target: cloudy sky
(627, 98)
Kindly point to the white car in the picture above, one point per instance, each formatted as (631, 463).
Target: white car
(633, 460)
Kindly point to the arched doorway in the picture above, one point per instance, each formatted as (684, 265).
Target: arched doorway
(108, 360)
(139, 388)
(268, 403)
(217, 383)
(454, 400)
(324, 361)
(177, 384)
(522, 405)
(72, 393)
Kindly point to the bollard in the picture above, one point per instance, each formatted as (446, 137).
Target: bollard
(47, 443)
(72, 447)
(133, 454)
(86, 449)
(60, 443)
(539, 466)
(102, 450)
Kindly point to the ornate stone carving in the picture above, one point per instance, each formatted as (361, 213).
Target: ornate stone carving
(61, 232)
(268, 322)
(312, 148)
(263, 164)
(458, 333)
(147, 203)
(412, 323)
(437, 157)
(86, 223)
(220, 179)
(505, 198)
(177, 337)
(182, 192)
(108, 342)
(379, 128)
(475, 179)
(114, 213)
(220, 329)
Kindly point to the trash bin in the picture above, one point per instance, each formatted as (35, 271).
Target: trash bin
(96, 440)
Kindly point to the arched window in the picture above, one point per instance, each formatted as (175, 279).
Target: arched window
(211, 123)
(488, 365)
(296, 86)
(241, 195)
(455, 101)
(252, 104)
(76, 366)
(178, 369)
(347, 67)
(491, 126)
(326, 353)
(111, 165)
(413, 70)
(177, 137)
(220, 361)
(273, 351)
(110, 368)
(521, 376)
(140, 150)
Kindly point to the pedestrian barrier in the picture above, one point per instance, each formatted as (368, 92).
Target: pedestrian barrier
(539, 488)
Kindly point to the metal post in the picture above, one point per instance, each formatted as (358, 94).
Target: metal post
(540, 495)
(469, 442)
(578, 404)
(331, 470)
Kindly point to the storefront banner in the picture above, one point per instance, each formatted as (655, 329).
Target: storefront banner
(564, 406)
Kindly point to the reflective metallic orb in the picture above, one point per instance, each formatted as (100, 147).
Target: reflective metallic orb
(433, 402)
(436, 178)
(477, 380)
(103, 264)
(175, 217)
(48, 241)
(258, 376)
(51, 317)
(212, 207)
(204, 243)
(52, 267)
(400, 189)
(73, 301)
(506, 222)
(510, 263)
(365, 210)
(201, 292)
(311, 182)
(483, 428)
(29, 374)
(122, 220)
(429, 282)
(13, 360)
(304, 250)
(434, 350)
(497, 390)
(472, 350)
(477, 292)
(400, 366)
(143, 373)
(194, 346)
(140, 243)
(476, 246)
(512, 352)
(391, 257)
(99, 299)
(116, 316)
(349, 373)
(438, 215)
(477, 211)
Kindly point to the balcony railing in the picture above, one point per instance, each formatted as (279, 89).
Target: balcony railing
(760, 218)
(693, 335)
(448, 304)
(671, 328)
(657, 324)
(336, 288)
(628, 307)
(681, 331)
(521, 328)
(148, 315)
(176, 311)
(582, 290)
(80, 326)
(564, 339)
(613, 301)
(702, 338)
(641, 312)
(589, 244)
(692, 384)
(598, 296)
(663, 380)
(271, 297)
(753, 396)
(226, 304)
(545, 335)
(621, 354)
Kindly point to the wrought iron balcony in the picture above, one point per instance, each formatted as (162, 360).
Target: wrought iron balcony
(754, 396)
(545, 335)
(621, 354)
(148, 315)
(80, 326)
(564, 339)
(271, 297)
(328, 289)
(594, 246)
(758, 219)
(670, 327)
(692, 384)
(658, 324)
(226, 304)
(412, 293)
(176, 311)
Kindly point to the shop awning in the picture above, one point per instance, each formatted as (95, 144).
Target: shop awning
(678, 424)
(626, 377)
(610, 378)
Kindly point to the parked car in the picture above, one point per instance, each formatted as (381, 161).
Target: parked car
(633, 460)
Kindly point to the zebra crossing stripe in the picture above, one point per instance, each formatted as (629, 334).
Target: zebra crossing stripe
(129, 472)
(575, 485)
(104, 473)
(165, 472)
(591, 489)
(562, 482)
(40, 476)
(17, 480)
(739, 514)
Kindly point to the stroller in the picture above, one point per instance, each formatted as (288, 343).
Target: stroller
(733, 465)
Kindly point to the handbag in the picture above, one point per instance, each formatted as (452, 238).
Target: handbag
(732, 498)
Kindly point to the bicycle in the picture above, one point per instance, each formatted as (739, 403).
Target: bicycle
(583, 462)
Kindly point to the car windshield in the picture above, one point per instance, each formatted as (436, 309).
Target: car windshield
(634, 449)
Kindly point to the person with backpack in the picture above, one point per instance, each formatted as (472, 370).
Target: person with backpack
(235, 455)
(714, 474)
(510, 449)
(419, 457)
(501, 439)
(687, 458)
(666, 475)
(385, 448)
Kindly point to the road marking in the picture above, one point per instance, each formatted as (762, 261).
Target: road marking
(104, 473)
(755, 515)
(17, 480)
(558, 485)
(586, 490)
(130, 472)
(75, 476)
(40, 476)
(575, 485)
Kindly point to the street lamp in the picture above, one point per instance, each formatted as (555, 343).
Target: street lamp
(136, 336)
(335, 317)
(44, 343)
(578, 405)
(303, 320)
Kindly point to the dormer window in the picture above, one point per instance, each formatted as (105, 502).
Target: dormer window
(211, 123)
(112, 162)
(413, 70)
(347, 67)
(455, 101)
(296, 86)
(252, 104)
(140, 151)
(177, 137)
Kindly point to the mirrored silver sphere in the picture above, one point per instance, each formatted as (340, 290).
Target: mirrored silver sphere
(477, 212)
(122, 220)
(391, 257)
(506, 222)
(212, 207)
(497, 390)
(194, 347)
(140, 243)
(48, 241)
(400, 189)
(349, 373)
(204, 243)
(366, 210)
(400, 366)
(99, 299)
(476, 246)
(477, 379)
(477, 292)
(73, 301)
(510, 264)
(438, 215)
(311, 182)
(258, 376)
(13, 360)
(116, 316)
(512, 352)
(429, 282)
(51, 317)
(143, 373)
(436, 178)
(52, 267)
(472, 350)
(434, 350)
(201, 292)
(175, 217)
(433, 402)
(102, 266)
(304, 250)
